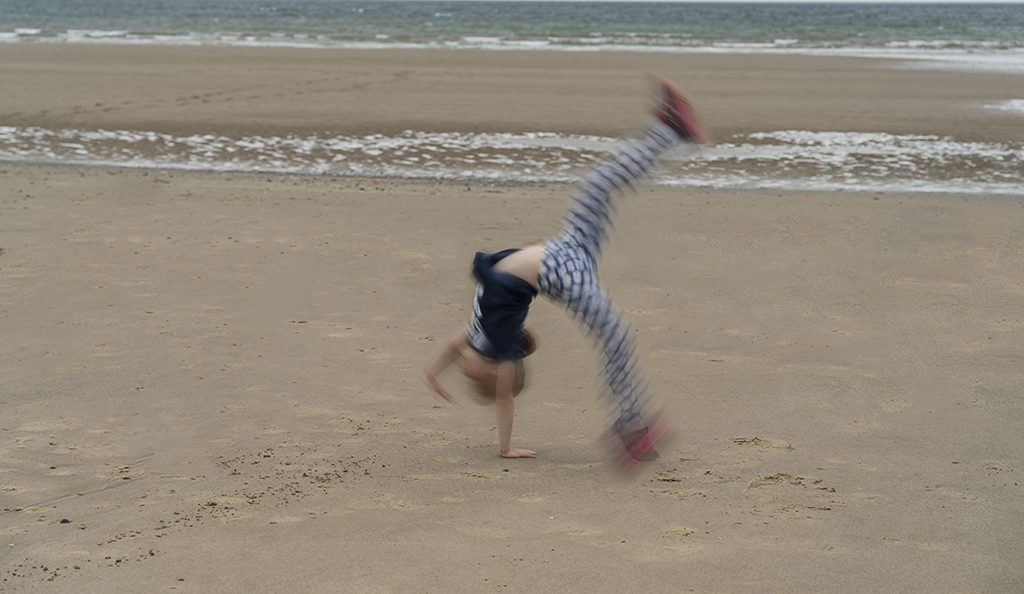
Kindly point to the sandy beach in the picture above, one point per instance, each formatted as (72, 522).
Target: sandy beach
(210, 381)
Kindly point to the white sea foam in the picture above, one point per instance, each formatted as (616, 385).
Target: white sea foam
(1005, 62)
(82, 35)
(976, 56)
(1011, 105)
(782, 159)
(860, 161)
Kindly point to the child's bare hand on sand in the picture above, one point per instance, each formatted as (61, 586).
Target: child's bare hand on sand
(518, 453)
(437, 389)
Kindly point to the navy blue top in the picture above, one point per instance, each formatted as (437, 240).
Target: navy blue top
(504, 302)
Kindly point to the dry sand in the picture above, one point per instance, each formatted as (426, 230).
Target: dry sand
(213, 378)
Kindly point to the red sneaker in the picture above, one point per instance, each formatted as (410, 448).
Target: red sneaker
(638, 445)
(676, 112)
(636, 451)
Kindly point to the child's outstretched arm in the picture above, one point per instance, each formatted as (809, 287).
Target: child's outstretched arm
(505, 411)
(448, 354)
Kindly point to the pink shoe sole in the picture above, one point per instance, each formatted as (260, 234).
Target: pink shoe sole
(656, 434)
(676, 112)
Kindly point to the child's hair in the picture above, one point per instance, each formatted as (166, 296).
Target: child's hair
(485, 387)
(528, 342)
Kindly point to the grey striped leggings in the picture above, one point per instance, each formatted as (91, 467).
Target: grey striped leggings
(569, 271)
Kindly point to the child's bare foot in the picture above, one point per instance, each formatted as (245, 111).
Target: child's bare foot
(518, 453)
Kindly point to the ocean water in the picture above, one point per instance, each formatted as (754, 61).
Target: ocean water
(967, 36)
(892, 29)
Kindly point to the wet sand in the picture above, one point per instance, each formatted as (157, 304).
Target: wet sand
(213, 378)
(235, 91)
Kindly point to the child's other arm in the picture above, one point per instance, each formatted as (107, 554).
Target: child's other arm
(448, 354)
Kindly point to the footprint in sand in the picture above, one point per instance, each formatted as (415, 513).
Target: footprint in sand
(783, 478)
(790, 497)
(667, 484)
(677, 494)
(764, 444)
